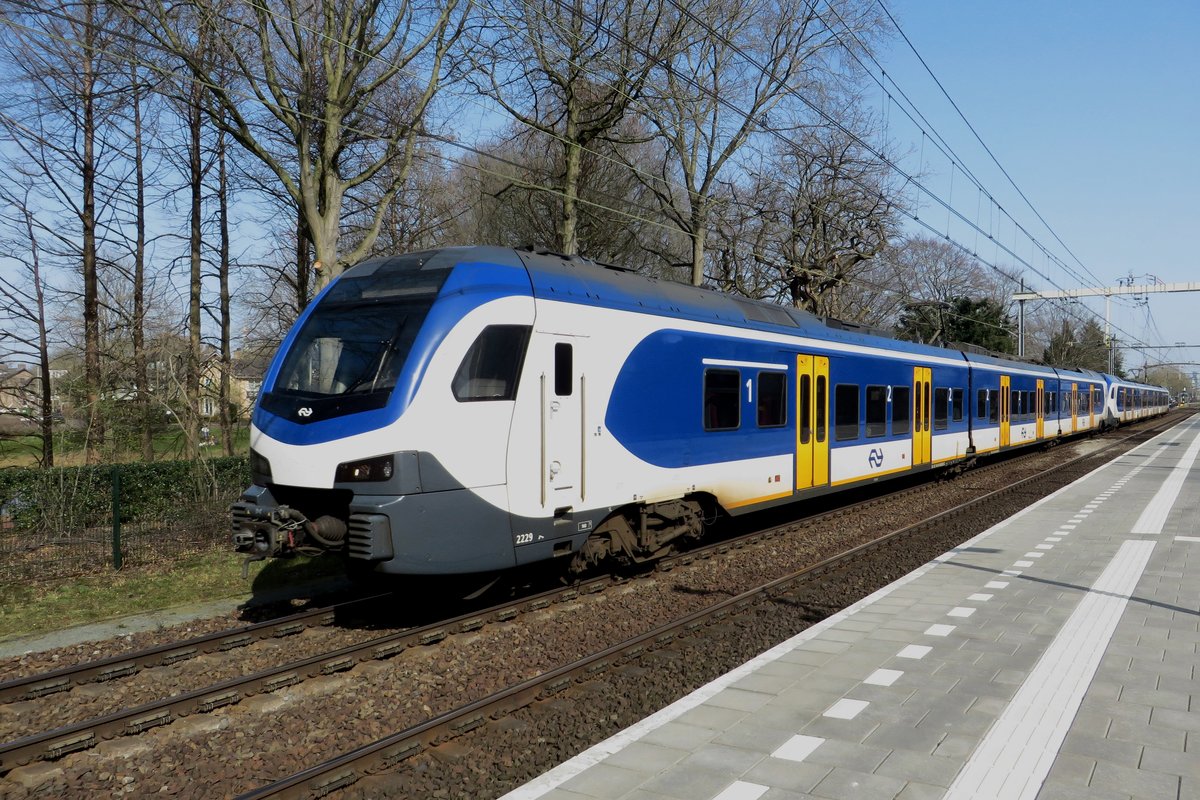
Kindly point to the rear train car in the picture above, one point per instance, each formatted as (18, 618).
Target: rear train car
(1129, 401)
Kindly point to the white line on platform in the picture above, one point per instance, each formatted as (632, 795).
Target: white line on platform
(845, 708)
(1015, 756)
(916, 651)
(743, 790)
(1187, 538)
(798, 748)
(1155, 516)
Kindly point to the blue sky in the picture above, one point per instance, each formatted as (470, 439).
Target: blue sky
(1094, 110)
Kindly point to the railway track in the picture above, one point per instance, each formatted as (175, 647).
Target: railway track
(57, 743)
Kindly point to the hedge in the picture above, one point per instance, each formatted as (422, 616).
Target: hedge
(72, 498)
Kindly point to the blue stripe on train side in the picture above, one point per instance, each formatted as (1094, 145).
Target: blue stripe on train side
(469, 286)
(656, 409)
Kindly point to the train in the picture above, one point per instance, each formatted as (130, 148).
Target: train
(470, 410)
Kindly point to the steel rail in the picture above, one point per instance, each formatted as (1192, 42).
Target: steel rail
(119, 666)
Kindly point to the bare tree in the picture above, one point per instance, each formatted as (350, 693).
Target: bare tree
(729, 84)
(506, 200)
(932, 269)
(315, 99)
(24, 322)
(52, 118)
(571, 71)
(831, 213)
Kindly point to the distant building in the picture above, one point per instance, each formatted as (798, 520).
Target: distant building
(19, 389)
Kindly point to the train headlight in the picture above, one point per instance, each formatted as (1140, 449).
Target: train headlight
(379, 468)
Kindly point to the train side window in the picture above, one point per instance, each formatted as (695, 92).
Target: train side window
(822, 405)
(993, 405)
(563, 369)
(981, 404)
(956, 404)
(772, 399)
(805, 421)
(941, 408)
(722, 399)
(845, 411)
(876, 411)
(492, 365)
(901, 410)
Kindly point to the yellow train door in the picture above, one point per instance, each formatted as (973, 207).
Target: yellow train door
(1041, 417)
(1074, 408)
(922, 408)
(1005, 409)
(812, 421)
(1092, 391)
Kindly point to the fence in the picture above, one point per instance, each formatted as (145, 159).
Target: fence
(86, 520)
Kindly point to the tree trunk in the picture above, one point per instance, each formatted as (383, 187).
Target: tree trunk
(303, 265)
(568, 230)
(699, 234)
(46, 392)
(91, 293)
(191, 392)
(141, 378)
(227, 417)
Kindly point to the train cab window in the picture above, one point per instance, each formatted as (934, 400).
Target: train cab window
(993, 405)
(722, 399)
(876, 411)
(1097, 406)
(981, 403)
(941, 408)
(956, 404)
(822, 405)
(845, 412)
(492, 365)
(563, 369)
(901, 410)
(772, 399)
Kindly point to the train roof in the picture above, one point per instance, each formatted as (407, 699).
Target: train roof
(580, 280)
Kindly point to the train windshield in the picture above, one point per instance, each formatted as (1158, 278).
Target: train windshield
(348, 355)
(349, 349)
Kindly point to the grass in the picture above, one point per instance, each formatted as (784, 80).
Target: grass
(38, 608)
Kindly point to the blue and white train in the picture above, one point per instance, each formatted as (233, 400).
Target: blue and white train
(469, 410)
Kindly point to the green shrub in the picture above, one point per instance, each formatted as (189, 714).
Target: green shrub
(71, 498)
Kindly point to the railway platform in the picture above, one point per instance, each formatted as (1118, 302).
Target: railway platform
(1053, 656)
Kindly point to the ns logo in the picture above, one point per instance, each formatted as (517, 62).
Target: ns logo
(875, 458)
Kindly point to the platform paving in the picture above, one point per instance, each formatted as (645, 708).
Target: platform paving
(1052, 657)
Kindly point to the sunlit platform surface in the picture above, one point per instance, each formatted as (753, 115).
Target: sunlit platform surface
(1053, 657)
